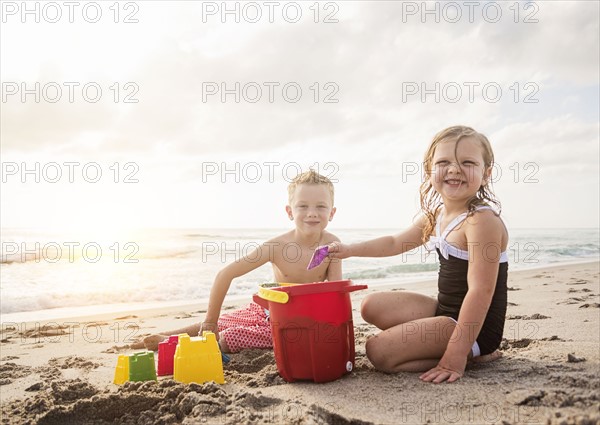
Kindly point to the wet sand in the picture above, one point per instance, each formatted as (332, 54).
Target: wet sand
(61, 371)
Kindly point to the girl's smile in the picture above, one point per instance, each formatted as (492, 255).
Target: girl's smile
(458, 171)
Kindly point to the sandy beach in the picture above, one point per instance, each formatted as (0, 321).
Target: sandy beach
(61, 371)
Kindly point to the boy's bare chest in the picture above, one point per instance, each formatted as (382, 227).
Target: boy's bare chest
(290, 266)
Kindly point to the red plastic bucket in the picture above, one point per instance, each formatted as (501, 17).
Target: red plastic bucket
(313, 331)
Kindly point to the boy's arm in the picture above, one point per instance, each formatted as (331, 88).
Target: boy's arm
(385, 246)
(484, 236)
(222, 282)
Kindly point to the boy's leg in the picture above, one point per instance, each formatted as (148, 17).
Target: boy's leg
(414, 346)
(388, 309)
(247, 316)
(239, 338)
(191, 330)
(244, 316)
(151, 342)
(245, 328)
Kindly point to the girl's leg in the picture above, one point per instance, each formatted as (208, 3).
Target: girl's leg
(412, 338)
(487, 357)
(388, 309)
(414, 346)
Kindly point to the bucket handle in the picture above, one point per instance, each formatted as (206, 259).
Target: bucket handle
(275, 296)
(258, 300)
(282, 297)
(352, 288)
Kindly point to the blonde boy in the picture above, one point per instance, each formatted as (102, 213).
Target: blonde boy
(311, 209)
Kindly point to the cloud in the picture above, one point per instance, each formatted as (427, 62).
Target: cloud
(372, 56)
(550, 143)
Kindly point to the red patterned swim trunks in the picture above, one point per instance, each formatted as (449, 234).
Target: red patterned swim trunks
(248, 327)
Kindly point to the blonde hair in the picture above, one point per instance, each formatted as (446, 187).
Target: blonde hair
(431, 201)
(309, 177)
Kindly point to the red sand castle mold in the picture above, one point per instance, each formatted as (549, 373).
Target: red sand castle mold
(166, 354)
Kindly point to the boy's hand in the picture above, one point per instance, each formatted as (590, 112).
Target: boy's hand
(211, 327)
(339, 250)
(448, 369)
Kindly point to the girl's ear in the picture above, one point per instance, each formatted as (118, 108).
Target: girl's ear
(487, 175)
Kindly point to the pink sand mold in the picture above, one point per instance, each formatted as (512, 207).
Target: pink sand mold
(166, 354)
(318, 256)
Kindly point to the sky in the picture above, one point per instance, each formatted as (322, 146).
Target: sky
(198, 114)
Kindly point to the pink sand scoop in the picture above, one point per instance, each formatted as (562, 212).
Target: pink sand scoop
(318, 256)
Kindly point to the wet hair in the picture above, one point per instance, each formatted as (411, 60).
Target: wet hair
(309, 177)
(431, 201)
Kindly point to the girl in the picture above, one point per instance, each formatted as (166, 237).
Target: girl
(419, 333)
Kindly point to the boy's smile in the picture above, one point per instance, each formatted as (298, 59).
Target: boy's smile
(311, 207)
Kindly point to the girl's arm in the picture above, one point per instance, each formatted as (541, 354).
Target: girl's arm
(484, 238)
(334, 270)
(385, 246)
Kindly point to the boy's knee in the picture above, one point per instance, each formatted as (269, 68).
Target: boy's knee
(228, 341)
(223, 346)
(377, 356)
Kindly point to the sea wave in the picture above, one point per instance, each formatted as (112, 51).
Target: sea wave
(55, 256)
(176, 265)
(588, 250)
(391, 271)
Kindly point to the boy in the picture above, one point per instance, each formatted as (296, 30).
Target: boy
(311, 208)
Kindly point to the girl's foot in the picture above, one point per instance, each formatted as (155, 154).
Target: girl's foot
(486, 358)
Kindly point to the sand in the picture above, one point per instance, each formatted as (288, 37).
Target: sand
(61, 371)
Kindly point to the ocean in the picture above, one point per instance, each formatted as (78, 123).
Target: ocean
(44, 274)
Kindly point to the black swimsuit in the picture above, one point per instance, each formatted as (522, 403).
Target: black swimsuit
(452, 287)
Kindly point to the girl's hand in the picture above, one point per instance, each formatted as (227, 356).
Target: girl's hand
(448, 369)
(211, 327)
(338, 250)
